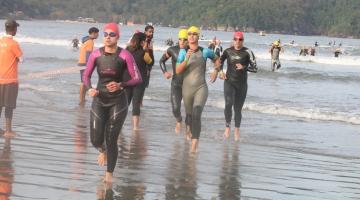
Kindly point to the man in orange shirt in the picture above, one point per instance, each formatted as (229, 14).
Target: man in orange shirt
(10, 54)
(87, 47)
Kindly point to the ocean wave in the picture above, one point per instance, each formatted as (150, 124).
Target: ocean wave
(342, 60)
(305, 113)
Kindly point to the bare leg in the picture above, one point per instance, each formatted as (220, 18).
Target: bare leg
(236, 134)
(194, 145)
(227, 132)
(136, 122)
(102, 158)
(108, 177)
(82, 94)
(8, 130)
(178, 127)
(188, 134)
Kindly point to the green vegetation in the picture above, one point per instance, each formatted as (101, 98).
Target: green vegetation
(326, 17)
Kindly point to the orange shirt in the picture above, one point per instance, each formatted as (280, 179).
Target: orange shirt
(86, 47)
(10, 52)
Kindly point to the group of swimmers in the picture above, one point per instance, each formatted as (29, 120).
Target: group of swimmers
(124, 75)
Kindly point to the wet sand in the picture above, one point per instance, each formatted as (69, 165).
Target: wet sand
(52, 157)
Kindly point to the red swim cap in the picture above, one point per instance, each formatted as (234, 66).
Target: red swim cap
(112, 26)
(239, 35)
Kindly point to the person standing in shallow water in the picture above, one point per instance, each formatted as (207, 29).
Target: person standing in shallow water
(109, 107)
(177, 79)
(192, 65)
(10, 55)
(240, 60)
(87, 47)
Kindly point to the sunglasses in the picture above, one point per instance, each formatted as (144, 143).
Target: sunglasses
(190, 33)
(237, 39)
(111, 34)
(182, 39)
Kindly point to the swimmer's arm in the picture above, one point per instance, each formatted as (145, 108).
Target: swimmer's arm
(223, 57)
(90, 66)
(181, 62)
(162, 62)
(132, 69)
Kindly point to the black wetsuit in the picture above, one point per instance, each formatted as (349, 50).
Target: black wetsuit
(235, 85)
(109, 109)
(176, 82)
(136, 93)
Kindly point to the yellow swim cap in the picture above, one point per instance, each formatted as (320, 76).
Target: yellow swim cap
(193, 29)
(183, 34)
(276, 43)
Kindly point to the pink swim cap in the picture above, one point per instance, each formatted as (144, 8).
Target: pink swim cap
(114, 27)
(239, 35)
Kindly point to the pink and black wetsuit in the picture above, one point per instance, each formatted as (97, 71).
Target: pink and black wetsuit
(109, 109)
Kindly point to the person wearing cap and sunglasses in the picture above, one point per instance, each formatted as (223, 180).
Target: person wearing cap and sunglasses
(109, 107)
(191, 63)
(240, 60)
(177, 79)
(10, 55)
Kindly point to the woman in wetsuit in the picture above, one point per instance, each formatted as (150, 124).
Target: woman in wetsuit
(240, 60)
(142, 59)
(109, 106)
(192, 63)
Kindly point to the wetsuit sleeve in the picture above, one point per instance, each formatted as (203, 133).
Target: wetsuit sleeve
(163, 60)
(132, 69)
(252, 62)
(181, 58)
(90, 66)
(208, 53)
(223, 57)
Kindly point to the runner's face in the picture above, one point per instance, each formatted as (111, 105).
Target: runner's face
(110, 38)
(238, 42)
(193, 37)
(149, 33)
(183, 43)
(94, 35)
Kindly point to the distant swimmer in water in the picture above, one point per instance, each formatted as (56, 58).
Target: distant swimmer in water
(303, 51)
(275, 50)
(109, 107)
(177, 79)
(292, 42)
(337, 52)
(316, 44)
(86, 48)
(191, 63)
(75, 44)
(312, 51)
(240, 60)
(10, 56)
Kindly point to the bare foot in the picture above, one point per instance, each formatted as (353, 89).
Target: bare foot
(108, 177)
(136, 128)
(227, 132)
(178, 127)
(102, 158)
(194, 145)
(9, 134)
(236, 134)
